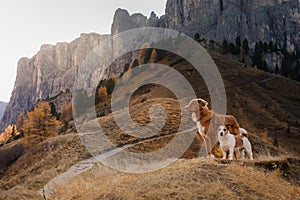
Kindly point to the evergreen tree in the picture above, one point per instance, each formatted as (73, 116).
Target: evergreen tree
(110, 85)
(197, 37)
(260, 46)
(126, 67)
(286, 65)
(225, 46)
(265, 47)
(271, 46)
(257, 60)
(238, 44)
(135, 63)
(246, 46)
(233, 49)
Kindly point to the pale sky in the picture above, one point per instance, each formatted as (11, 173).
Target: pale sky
(26, 25)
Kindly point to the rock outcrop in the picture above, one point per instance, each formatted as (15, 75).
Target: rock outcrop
(270, 20)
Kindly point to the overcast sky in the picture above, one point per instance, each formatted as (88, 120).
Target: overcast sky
(26, 25)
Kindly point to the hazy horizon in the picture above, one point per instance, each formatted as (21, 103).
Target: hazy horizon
(28, 25)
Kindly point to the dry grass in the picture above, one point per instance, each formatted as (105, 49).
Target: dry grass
(33, 170)
(256, 184)
(185, 179)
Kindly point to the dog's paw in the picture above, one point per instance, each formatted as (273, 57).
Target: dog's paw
(211, 156)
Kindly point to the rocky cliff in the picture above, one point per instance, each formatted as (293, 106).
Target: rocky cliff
(270, 20)
(52, 70)
(2, 108)
(49, 73)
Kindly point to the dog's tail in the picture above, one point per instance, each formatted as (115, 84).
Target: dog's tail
(244, 132)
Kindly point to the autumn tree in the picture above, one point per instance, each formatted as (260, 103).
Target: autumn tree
(144, 54)
(9, 134)
(40, 124)
(102, 94)
(153, 56)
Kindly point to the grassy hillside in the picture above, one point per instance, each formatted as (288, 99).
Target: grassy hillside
(266, 105)
(185, 179)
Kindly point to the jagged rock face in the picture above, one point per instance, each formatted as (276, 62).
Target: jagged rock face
(51, 71)
(271, 20)
(123, 21)
(2, 108)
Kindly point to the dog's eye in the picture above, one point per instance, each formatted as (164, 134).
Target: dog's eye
(224, 130)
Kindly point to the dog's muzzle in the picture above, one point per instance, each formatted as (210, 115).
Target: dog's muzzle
(221, 134)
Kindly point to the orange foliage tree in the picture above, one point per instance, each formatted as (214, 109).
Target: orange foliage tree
(153, 56)
(9, 134)
(102, 93)
(40, 124)
(143, 56)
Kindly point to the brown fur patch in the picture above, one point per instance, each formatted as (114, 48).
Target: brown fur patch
(238, 141)
(210, 119)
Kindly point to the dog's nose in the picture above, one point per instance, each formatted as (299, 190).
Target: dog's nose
(221, 134)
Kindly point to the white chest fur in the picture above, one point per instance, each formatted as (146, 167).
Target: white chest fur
(201, 129)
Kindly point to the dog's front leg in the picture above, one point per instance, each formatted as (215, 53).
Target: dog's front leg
(224, 154)
(231, 152)
(200, 128)
(243, 154)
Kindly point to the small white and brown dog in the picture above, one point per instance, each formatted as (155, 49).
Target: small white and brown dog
(232, 144)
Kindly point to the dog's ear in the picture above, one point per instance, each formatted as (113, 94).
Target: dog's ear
(227, 126)
(202, 103)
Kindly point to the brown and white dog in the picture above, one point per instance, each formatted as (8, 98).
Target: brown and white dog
(204, 118)
(231, 144)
